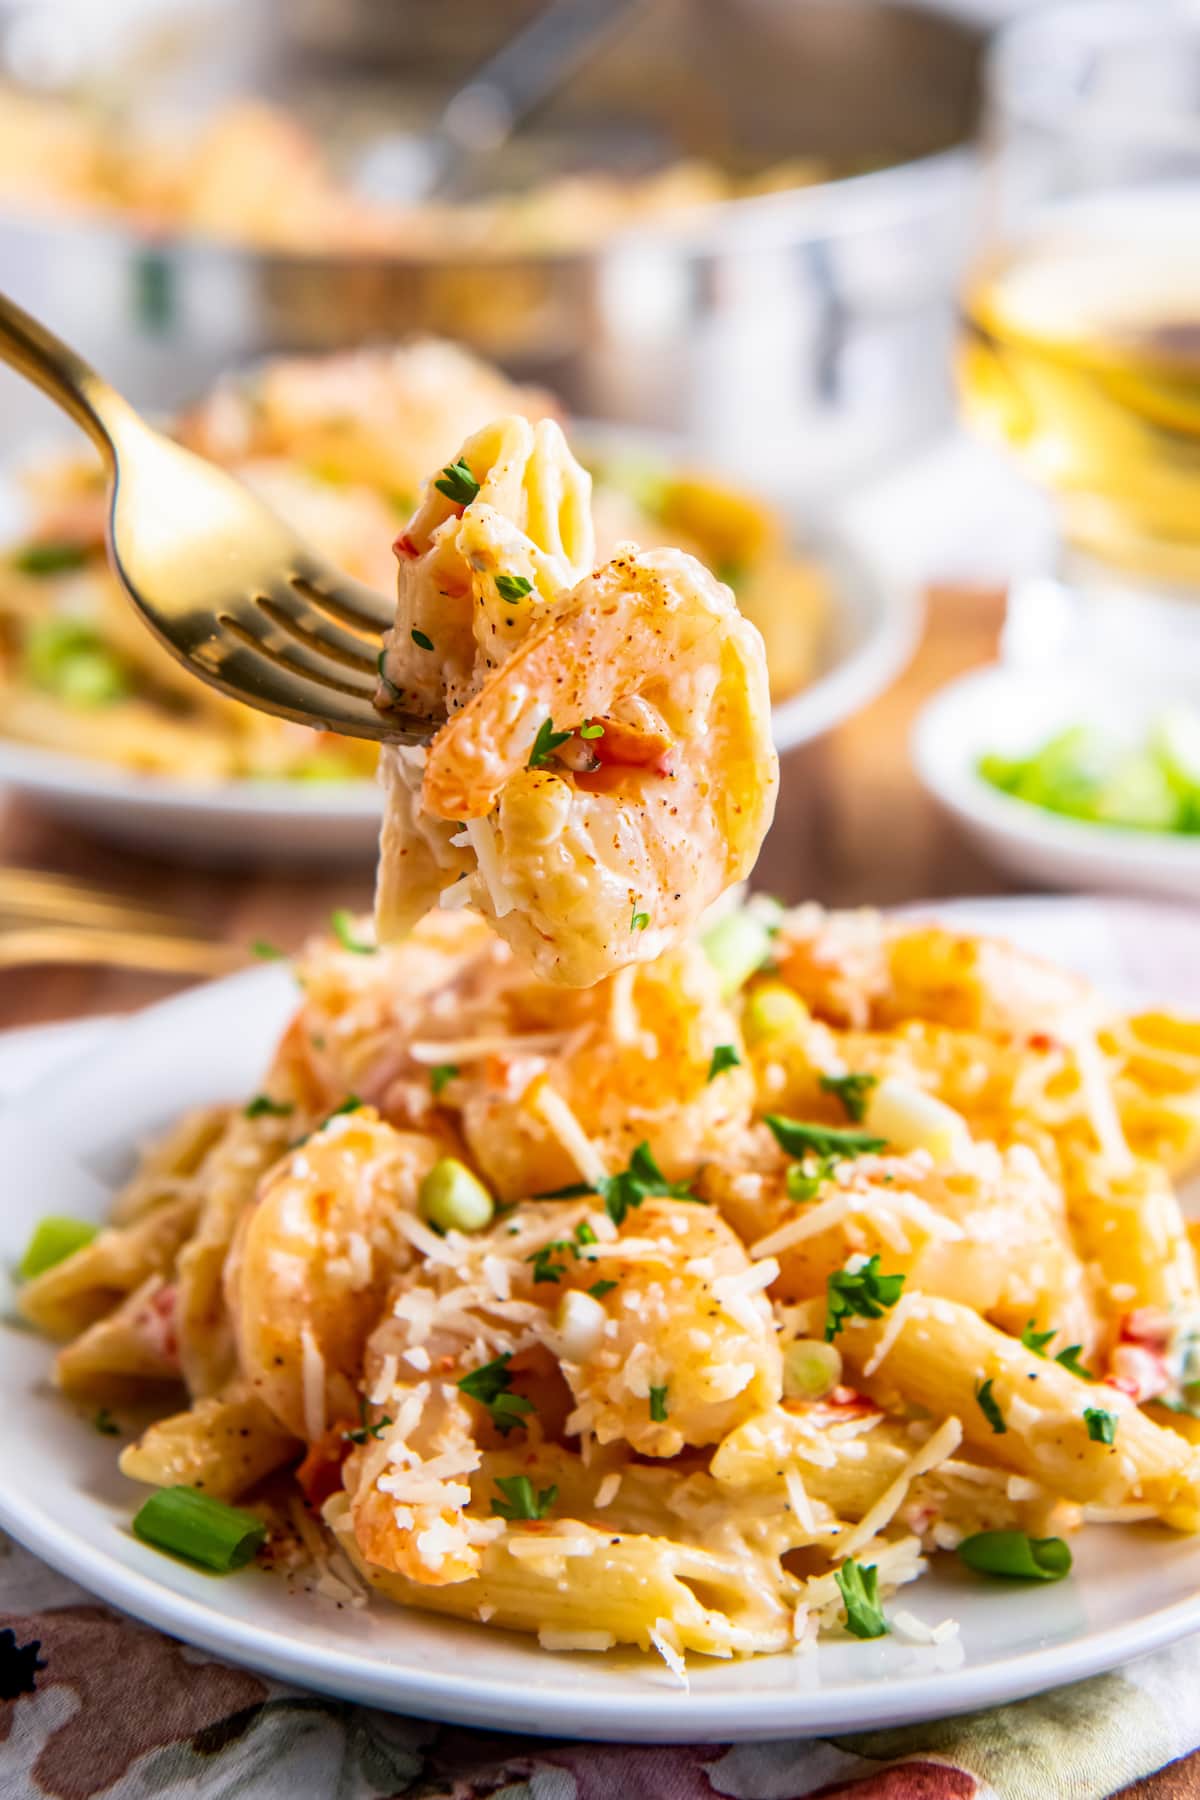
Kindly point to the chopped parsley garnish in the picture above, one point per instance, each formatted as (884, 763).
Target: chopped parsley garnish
(859, 1589)
(262, 1106)
(440, 1074)
(544, 1266)
(863, 1291)
(520, 1501)
(457, 483)
(266, 952)
(1101, 1425)
(106, 1425)
(49, 557)
(658, 1404)
(1016, 1556)
(591, 728)
(583, 1234)
(806, 1179)
(724, 1057)
(642, 1180)
(852, 1090)
(364, 1429)
(796, 1138)
(342, 921)
(420, 639)
(489, 1384)
(513, 587)
(1069, 1358)
(598, 1289)
(989, 1406)
(545, 744)
(350, 1104)
(1036, 1340)
(638, 920)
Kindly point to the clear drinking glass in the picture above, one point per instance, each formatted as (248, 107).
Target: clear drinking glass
(1080, 347)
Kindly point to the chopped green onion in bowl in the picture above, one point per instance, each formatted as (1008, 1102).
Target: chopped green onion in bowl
(1087, 774)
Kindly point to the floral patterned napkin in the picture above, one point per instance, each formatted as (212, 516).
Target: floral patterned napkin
(94, 1704)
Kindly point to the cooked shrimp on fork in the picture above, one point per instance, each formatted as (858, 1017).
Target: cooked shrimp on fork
(606, 769)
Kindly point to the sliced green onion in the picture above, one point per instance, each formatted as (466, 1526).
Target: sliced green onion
(736, 946)
(773, 1011)
(49, 556)
(1016, 1556)
(811, 1369)
(68, 658)
(187, 1523)
(451, 1198)
(54, 1239)
(343, 923)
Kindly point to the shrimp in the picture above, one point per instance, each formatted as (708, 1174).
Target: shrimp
(307, 1275)
(856, 970)
(606, 769)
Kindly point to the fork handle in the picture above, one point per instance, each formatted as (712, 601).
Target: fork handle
(61, 373)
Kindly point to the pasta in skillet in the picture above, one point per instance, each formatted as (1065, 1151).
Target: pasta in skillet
(693, 1310)
(606, 768)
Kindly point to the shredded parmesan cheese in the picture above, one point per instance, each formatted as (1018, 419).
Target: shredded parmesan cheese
(943, 1443)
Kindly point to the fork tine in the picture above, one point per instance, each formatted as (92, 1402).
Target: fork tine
(280, 644)
(296, 685)
(357, 655)
(349, 602)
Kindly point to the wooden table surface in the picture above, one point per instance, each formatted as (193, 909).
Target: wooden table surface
(853, 827)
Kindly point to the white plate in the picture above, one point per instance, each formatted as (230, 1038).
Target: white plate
(1012, 711)
(72, 1138)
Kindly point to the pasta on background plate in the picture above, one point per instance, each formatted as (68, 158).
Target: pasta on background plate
(692, 1310)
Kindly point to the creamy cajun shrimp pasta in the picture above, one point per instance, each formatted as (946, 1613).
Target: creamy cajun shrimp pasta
(605, 767)
(696, 1310)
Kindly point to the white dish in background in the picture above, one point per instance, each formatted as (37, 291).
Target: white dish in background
(1012, 711)
(72, 1137)
(871, 634)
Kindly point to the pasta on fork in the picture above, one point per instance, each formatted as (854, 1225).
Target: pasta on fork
(693, 1310)
(605, 770)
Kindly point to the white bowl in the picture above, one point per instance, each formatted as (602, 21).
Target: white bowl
(1012, 711)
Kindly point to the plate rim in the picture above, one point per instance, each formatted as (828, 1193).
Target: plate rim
(462, 1698)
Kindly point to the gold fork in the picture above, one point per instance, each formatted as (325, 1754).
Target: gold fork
(36, 894)
(48, 918)
(230, 589)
